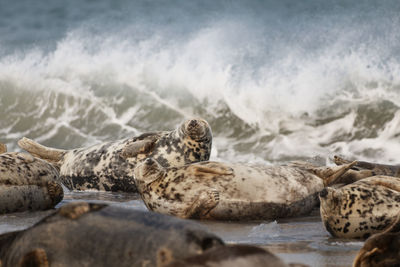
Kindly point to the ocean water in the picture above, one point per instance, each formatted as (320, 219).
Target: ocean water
(277, 80)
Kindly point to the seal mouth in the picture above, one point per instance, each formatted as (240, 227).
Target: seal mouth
(197, 129)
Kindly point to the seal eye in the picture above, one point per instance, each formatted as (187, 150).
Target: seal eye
(149, 161)
(323, 193)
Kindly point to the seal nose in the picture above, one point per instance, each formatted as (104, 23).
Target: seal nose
(192, 123)
(323, 193)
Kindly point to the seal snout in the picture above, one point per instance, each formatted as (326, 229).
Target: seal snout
(192, 124)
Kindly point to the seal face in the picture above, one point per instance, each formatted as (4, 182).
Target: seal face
(360, 209)
(135, 238)
(381, 249)
(109, 166)
(27, 183)
(215, 190)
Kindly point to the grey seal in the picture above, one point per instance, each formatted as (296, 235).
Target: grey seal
(232, 191)
(27, 183)
(88, 234)
(108, 166)
(362, 208)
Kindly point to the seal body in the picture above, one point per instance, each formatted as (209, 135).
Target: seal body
(27, 183)
(83, 234)
(109, 166)
(381, 249)
(362, 208)
(221, 191)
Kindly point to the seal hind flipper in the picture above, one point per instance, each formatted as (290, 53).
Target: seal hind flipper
(138, 147)
(331, 174)
(51, 155)
(202, 205)
(210, 168)
(35, 258)
(3, 148)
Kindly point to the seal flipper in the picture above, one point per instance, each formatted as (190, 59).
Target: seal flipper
(3, 148)
(138, 147)
(35, 258)
(51, 155)
(330, 174)
(202, 205)
(210, 168)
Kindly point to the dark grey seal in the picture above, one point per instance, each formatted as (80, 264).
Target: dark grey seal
(84, 234)
(109, 166)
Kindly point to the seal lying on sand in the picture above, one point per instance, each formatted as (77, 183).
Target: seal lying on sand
(233, 256)
(363, 169)
(83, 234)
(360, 209)
(108, 166)
(27, 183)
(215, 190)
(381, 249)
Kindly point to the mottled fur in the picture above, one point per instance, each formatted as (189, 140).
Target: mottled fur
(109, 166)
(27, 183)
(360, 209)
(223, 191)
(86, 234)
(381, 249)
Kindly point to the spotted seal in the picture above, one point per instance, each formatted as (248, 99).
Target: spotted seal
(381, 249)
(234, 256)
(88, 234)
(363, 169)
(362, 208)
(108, 166)
(27, 183)
(222, 191)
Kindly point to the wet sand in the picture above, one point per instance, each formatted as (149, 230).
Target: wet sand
(302, 240)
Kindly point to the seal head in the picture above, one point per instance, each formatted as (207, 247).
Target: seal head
(196, 129)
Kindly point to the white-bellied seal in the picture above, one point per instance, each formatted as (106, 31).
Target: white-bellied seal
(27, 183)
(222, 191)
(108, 166)
(364, 169)
(362, 208)
(233, 256)
(85, 234)
(381, 249)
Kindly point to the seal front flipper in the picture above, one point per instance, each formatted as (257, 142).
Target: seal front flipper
(138, 147)
(51, 155)
(210, 168)
(35, 258)
(202, 205)
(3, 148)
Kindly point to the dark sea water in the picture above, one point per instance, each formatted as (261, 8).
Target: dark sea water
(277, 81)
